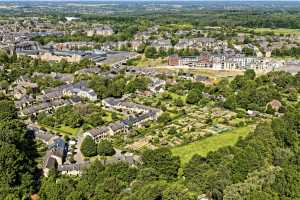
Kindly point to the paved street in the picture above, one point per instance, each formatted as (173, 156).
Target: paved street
(78, 156)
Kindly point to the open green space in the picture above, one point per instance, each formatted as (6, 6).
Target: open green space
(146, 62)
(63, 129)
(68, 129)
(203, 147)
(176, 96)
(278, 30)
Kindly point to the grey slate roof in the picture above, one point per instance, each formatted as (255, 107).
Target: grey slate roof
(51, 163)
(72, 167)
(98, 131)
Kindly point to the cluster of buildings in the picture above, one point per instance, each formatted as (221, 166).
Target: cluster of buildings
(165, 44)
(221, 56)
(60, 96)
(157, 85)
(73, 46)
(163, 41)
(55, 155)
(151, 72)
(19, 30)
(79, 89)
(69, 56)
(49, 53)
(46, 106)
(103, 30)
(226, 62)
(63, 77)
(20, 87)
(72, 52)
(137, 115)
(57, 152)
(17, 36)
(55, 160)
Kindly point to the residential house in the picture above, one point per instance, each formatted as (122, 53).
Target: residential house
(121, 45)
(161, 44)
(203, 79)
(45, 107)
(66, 78)
(143, 36)
(98, 133)
(141, 114)
(205, 42)
(182, 32)
(21, 85)
(88, 71)
(25, 101)
(79, 89)
(183, 44)
(104, 30)
(72, 169)
(40, 134)
(275, 105)
(19, 92)
(135, 44)
(87, 94)
(173, 60)
(157, 85)
(55, 155)
(127, 157)
(58, 150)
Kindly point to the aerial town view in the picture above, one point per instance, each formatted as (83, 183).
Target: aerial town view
(149, 100)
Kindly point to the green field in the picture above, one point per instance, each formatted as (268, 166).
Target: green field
(203, 147)
(68, 129)
(64, 130)
(278, 30)
(146, 62)
(176, 96)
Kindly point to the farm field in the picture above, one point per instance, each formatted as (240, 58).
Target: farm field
(203, 147)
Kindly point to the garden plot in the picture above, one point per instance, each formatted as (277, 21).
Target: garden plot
(194, 124)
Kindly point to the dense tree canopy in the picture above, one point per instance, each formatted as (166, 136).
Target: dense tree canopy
(17, 153)
(88, 147)
(163, 162)
(254, 162)
(105, 148)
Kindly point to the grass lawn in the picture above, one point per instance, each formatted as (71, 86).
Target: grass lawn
(203, 147)
(64, 130)
(176, 96)
(68, 129)
(108, 117)
(278, 30)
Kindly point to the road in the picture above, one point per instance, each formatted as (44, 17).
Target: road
(78, 156)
